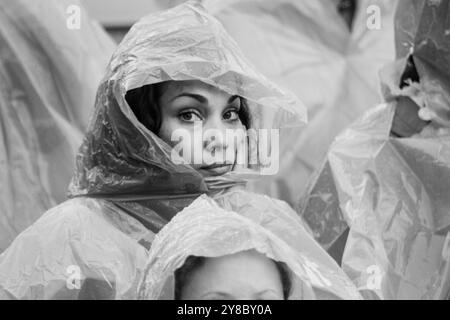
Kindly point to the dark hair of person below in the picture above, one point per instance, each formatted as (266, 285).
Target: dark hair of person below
(143, 101)
(192, 263)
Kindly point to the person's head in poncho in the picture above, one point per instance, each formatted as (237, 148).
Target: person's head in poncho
(245, 275)
(208, 253)
(174, 105)
(172, 70)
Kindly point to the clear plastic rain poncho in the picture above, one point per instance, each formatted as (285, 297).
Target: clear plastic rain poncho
(126, 187)
(206, 230)
(49, 74)
(306, 47)
(387, 177)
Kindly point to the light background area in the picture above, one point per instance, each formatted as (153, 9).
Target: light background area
(119, 13)
(117, 16)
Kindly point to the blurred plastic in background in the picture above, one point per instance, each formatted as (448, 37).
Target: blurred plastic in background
(52, 57)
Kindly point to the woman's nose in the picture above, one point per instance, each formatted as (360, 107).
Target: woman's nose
(215, 140)
(214, 135)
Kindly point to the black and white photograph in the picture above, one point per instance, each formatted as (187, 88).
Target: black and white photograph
(233, 150)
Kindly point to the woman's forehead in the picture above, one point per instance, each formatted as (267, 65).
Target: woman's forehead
(171, 89)
(235, 261)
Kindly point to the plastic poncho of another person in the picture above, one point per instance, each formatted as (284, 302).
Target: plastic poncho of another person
(208, 253)
(386, 178)
(49, 74)
(128, 183)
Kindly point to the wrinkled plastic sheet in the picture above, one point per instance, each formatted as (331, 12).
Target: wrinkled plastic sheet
(89, 248)
(422, 32)
(81, 249)
(386, 178)
(393, 194)
(204, 229)
(48, 79)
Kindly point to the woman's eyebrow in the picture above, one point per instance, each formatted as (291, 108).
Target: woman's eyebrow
(197, 97)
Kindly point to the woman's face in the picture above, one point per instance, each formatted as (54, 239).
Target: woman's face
(185, 103)
(246, 275)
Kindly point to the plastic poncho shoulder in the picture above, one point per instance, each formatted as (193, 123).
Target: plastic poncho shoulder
(80, 249)
(204, 229)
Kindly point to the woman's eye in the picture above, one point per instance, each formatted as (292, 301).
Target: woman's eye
(190, 116)
(231, 115)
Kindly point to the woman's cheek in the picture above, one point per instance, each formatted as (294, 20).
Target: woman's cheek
(168, 132)
(180, 136)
